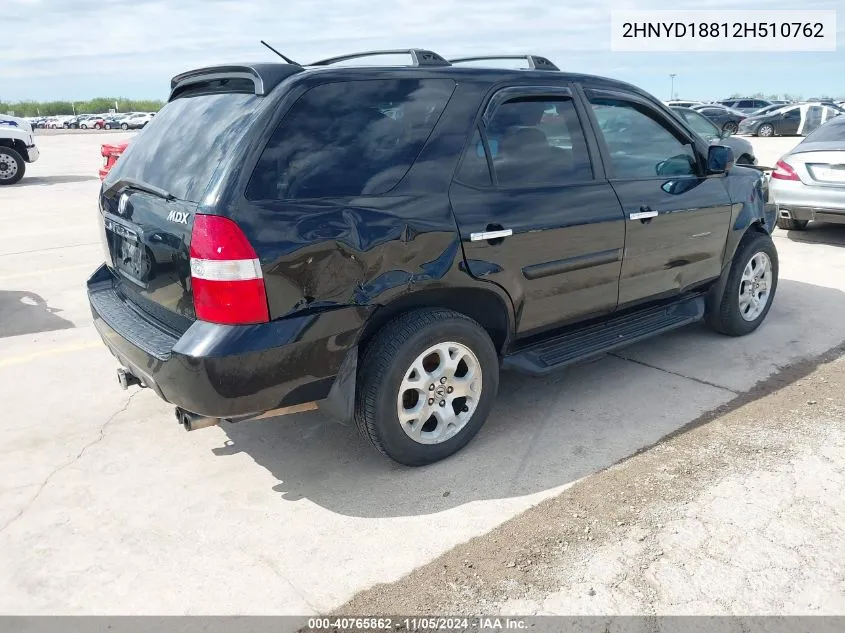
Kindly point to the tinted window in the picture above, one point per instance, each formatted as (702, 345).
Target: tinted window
(538, 141)
(745, 103)
(349, 138)
(711, 111)
(700, 124)
(832, 131)
(474, 168)
(640, 145)
(180, 149)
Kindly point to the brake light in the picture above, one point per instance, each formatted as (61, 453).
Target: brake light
(226, 276)
(784, 171)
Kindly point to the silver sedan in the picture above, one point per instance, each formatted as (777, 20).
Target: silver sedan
(808, 183)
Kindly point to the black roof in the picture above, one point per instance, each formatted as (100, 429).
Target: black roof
(265, 76)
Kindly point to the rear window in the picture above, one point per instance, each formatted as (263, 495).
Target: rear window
(182, 146)
(832, 131)
(349, 138)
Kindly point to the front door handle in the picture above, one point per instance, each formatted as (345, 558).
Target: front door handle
(643, 214)
(491, 235)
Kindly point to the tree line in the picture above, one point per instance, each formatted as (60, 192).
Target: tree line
(99, 105)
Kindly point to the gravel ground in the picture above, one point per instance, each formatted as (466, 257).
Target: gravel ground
(740, 513)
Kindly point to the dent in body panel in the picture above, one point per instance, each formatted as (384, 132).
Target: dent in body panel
(682, 246)
(350, 252)
(748, 190)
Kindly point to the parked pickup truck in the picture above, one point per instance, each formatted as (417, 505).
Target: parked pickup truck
(378, 242)
(17, 148)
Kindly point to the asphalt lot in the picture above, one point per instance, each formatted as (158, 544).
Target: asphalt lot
(107, 506)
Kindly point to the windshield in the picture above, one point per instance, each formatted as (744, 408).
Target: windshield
(182, 146)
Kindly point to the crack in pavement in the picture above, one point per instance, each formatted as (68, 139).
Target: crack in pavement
(100, 437)
(675, 373)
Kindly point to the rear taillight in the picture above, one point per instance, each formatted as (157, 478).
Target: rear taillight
(784, 171)
(226, 277)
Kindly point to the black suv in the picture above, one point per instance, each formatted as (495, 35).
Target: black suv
(377, 242)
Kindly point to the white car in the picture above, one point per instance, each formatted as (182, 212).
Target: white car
(137, 122)
(17, 148)
(683, 104)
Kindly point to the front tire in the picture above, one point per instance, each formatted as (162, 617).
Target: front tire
(750, 288)
(12, 166)
(123, 126)
(426, 384)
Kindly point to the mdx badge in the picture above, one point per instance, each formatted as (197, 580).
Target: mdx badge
(178, 216)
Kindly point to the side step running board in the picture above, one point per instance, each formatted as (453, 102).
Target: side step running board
(592, 340)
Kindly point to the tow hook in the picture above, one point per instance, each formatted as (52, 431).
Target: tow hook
(127, 379)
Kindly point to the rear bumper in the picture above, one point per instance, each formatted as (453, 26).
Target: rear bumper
(227, 371)
(812, 214)
(802, 202)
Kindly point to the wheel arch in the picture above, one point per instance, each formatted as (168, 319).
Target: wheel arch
(483, 306)
(14, 143)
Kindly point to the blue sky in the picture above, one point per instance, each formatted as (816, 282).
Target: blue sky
(77, 49)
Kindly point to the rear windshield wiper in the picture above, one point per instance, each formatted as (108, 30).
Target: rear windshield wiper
(131, 183)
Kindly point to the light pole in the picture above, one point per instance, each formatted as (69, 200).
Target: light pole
(672, 89)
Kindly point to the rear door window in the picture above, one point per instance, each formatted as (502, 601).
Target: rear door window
(537, 141)
(349, 138)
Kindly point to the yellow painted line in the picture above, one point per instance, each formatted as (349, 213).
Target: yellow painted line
(25, 358)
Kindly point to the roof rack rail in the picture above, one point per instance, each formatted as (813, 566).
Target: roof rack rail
(419, 57)
(535, 62)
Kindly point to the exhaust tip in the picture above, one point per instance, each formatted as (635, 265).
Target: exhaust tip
(785, 214)
(192, 421)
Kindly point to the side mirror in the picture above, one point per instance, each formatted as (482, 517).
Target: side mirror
(720, 159)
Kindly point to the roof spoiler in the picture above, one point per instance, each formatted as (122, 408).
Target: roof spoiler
(535, 62)
(419, 57)
(264, 77)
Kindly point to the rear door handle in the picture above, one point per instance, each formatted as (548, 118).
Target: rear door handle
(490, 235)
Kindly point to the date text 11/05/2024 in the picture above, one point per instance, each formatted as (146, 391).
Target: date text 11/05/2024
(461, 623)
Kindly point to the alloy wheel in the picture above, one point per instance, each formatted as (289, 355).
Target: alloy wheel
(439, 393)
(755, 286)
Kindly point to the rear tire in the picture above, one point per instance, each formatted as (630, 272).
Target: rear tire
(403, 371)
(12, 166)
(123, 126)
(730, 127)
(766, 130)
(742, 308)
(790, 224)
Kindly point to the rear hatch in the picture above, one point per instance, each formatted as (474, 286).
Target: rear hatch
(149, 199)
